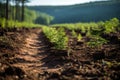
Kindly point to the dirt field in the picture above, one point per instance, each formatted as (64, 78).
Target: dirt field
(26, 54)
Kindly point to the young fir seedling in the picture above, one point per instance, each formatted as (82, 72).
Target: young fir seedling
(74, 34)
(111, 25)
(79, 37)
(97, 41)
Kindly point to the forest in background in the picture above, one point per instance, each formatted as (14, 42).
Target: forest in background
(87, 12)
(15, 10)
(45, 15)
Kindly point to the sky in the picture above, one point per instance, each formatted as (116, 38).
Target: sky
(58, 2)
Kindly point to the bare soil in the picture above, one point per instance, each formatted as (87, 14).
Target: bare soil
(26, 54)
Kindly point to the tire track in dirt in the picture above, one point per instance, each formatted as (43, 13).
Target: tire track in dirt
(32, 53)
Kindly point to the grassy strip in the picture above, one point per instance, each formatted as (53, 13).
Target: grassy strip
(13, 24)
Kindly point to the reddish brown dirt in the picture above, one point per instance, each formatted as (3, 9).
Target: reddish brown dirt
(29, 57)
(32, 55)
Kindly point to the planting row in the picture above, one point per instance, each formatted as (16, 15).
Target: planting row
(57, 37)
(109, 26)
(94, 31)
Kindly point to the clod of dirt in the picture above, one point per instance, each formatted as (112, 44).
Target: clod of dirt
(12, 72)
(98, 55)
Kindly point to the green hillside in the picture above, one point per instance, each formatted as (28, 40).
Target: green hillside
(30, 16)
(37, 17)
(88, 12)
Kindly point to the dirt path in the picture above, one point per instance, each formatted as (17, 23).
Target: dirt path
(32, 54)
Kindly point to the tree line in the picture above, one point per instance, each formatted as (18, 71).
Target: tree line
(87, 12)
(17, 9)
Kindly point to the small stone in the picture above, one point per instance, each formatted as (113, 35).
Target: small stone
(76, 76)
(25, 76)
(44, 68)
(0, 64)
(80, 67)
(16, 77)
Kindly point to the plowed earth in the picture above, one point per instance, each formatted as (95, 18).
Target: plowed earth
(26, 54)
